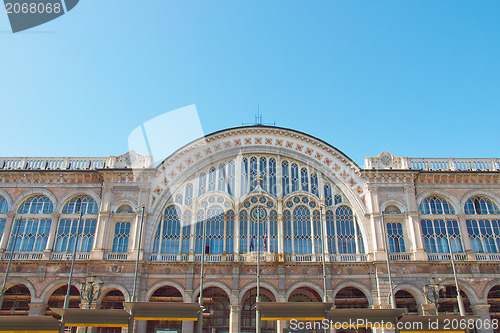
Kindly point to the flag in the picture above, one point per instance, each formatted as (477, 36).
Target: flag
(265, 242)
(251, 245)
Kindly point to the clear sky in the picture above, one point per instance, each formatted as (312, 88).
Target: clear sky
(415, 78)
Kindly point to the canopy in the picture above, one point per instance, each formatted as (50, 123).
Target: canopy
(293, 310)
(29, 324)
(163, 310)
(93, 317)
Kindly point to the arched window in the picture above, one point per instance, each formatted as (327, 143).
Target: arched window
(338, 199)
(349, 239)
(3, 211)
(167, 236)
(285, 178)
(436, 206)
(295, 177)
(212, 179)
(244, 176)
(120, 239)
(188, 197)
(253, 172)
(273, 234)
(304, 179)
(263, 172)
(328, 195)
(202, 184)
(222, 178)
(302, 230)
(186, 231)
(484, 233)
(314, 184)
(230, 231)
(272, 176)
(67, 232)
(435, 235)
(215, 231)
(318, 242)
(330, 231)
(34, 227)
(480, 206)
(231, 170)
(243, 231)
(395, 236)
(287, 232)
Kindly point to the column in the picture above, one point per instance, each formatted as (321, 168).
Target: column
(483, 311)
(37, 309)
(52, 235)
(415, 230)
(234, 318)
(102, 222)
(7, 230)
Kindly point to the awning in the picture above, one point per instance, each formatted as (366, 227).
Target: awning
(293, 310)
(93, 317)
(29, 324)
(441, 323)
(358, 318)
(163, 310)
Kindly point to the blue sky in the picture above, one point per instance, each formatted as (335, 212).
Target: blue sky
(415, 78)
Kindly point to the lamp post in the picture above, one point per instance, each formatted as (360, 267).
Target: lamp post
(10, 262)
(77, 236)
(387, 250)
(258, 213)
(323, 239)
(460, 301)
(134, 292)
(202, 268)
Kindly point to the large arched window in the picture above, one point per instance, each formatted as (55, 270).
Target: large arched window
(302, 230)
(436, 206)
(484, 231)
(167, 238)
(215, 231)
(34, 227)
(3, 215)
(67, 232)
(436, 230)
(395, 237)
(349, 238)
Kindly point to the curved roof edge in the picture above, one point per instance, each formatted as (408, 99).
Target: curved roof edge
(263, 127)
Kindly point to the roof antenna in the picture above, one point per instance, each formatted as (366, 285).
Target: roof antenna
(258, 119)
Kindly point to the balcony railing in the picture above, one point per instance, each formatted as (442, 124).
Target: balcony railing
(117, 256)
(23, 255)
(487, 256)
(447, 256)
(399, 256)
(69, 256)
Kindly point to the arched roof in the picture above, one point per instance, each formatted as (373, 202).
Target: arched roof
(179, 166)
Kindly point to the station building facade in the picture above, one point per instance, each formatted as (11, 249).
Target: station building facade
(315, 201)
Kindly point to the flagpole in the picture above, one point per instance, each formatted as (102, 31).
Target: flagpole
(10, 262)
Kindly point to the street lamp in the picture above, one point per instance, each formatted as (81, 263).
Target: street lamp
(77, 236)
(10, 262)
(258, 213)
(323, 240)
(204, 204)
(460, 301)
